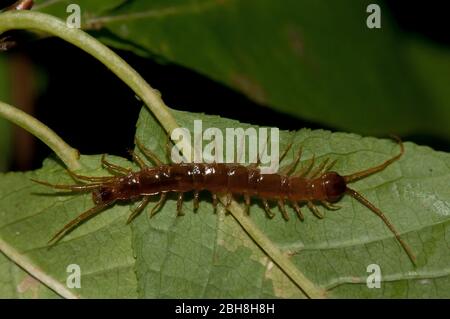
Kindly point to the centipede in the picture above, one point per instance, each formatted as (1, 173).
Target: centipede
(309, 186)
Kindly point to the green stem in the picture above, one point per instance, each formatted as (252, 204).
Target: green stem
(66, 153)
(46, 23)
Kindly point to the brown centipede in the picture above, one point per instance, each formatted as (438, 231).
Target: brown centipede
(308, 185)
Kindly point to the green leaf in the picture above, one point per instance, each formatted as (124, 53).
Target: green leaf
(316, 60)
(207, 254)
(431, 66)
(31, 213)
(16, 283)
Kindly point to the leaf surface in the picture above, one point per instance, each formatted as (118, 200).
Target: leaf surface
(208, 255)
(29, 216)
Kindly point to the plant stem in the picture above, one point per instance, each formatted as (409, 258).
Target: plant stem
(49, 24)
(64, 151)
(26, 264)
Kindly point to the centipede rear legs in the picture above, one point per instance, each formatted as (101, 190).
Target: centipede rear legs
(98, 182)
(115, 169)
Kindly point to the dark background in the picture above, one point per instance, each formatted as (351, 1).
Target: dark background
(76, 85)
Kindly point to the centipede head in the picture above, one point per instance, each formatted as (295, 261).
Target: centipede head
(104, 194)
(335, 186)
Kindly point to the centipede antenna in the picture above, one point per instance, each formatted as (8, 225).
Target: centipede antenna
(373, 170)
(90, 178)
(75, 222)
(380, 214)
(75, 188)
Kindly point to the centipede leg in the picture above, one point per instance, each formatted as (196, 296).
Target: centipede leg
(149, 154)
(215, 201)
(180, 204)
(247, 201)
(305, 170)
(138, 209)
(358, 175)
(330, 206)
(196, 196)
(287, 170)
(158, 205)
(116, 169)
(319, 168)
(297, 210)
(81, 218)
(315, 210)
(229, 199)
(283, 209)
(267, 209)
